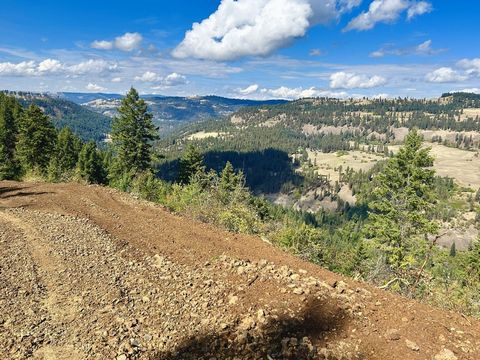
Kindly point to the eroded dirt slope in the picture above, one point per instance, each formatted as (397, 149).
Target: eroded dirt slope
(89, 273)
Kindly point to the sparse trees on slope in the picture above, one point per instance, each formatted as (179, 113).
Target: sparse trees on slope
(9, 111)
(403, 198)
(474, 260)
(36, 140)
(132, 134)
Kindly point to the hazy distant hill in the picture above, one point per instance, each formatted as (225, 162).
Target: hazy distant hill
(170, 109)
(87, 124)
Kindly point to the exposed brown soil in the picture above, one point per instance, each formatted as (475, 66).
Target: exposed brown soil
(88, 272)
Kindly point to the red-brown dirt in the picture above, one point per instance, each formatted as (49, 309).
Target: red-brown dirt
(88, 272)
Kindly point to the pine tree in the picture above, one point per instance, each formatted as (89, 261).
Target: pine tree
(403, 198)
(228, 178)
(190, 164)
(132, 135)
(36, 140)
(231, 185)
(9, 111)
(453, 250)
(90, 164)
(65, 156)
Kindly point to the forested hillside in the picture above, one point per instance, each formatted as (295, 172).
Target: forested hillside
(386, 217)
(87, 124)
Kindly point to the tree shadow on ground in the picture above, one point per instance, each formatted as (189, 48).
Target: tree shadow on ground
(279, 338)
(266, 171)
(11, 192)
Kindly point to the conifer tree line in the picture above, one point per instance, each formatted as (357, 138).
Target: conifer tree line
(31, 147)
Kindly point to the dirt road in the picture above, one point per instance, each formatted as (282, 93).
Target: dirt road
(90, 273)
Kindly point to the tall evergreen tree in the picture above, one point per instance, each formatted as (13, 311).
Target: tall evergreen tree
(36, 139)
(132, 135)
(90, 164)
(190, 164)
(9, 111)
(65, 156)
(403, 198)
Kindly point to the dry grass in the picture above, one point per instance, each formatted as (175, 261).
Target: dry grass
(328, 162)
(462, 165)
(204, 135)
(470, 113)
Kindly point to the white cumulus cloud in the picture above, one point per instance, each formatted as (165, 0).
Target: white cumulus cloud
(55, 67)
(470, 90)
(94, 87)
(345, 80)
(471, 66)
(148, 76)
(241, 28)
(102, 45)
(92, 66)
(387, 11)
(419, 8)
(126, 42)
(24, 68)
(50, 66)
(444, 75)
(249, 89)
(287, 93)
(174, 79)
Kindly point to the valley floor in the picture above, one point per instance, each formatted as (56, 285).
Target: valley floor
(88, 272)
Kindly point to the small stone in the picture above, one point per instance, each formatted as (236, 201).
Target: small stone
(134, 343)
(341, 286)
(261, 315)
(298, 291)
(294, 277)
(445, 354)
(122, 357)
(247, 324)
(411, 345)
(392, 335)
(232, 300)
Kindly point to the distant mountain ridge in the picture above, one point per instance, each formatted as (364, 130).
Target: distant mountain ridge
(169, 110)
(87, 124)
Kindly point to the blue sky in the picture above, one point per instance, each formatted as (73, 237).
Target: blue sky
(245, 48)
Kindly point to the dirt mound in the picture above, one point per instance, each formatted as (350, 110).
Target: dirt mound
(88, 272)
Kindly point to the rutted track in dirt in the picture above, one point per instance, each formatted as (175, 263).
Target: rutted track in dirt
(91, 273)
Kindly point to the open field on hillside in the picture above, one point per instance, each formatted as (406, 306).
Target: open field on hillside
(328, 163)
(205, 135)
(462, 165)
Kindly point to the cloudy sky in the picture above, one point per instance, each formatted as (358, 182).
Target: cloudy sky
(242, 48)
